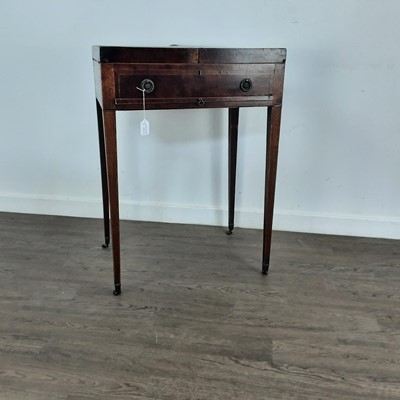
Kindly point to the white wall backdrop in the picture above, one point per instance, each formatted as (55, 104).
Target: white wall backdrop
(339, 164)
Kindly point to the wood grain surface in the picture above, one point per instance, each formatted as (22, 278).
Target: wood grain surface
(196, 319)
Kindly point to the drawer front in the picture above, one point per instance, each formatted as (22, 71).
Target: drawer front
(194, 85)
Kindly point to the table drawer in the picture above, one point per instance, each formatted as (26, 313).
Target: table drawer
(193, 84)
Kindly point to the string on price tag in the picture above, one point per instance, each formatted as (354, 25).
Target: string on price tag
(144, 125)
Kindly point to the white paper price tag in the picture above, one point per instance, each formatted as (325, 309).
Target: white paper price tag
(145, 127)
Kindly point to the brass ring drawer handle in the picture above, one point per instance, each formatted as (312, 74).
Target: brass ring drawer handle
(147, 85)
(246, 85)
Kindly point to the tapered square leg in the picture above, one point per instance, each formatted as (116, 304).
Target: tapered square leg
(273, 128)
(112, 174)
(104, 182)
(232, 159)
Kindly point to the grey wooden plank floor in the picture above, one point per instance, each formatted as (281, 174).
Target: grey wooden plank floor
(196, 319)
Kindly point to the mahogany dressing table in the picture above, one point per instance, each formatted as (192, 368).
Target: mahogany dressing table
(186, 78)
